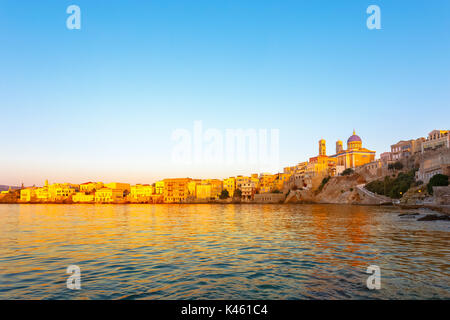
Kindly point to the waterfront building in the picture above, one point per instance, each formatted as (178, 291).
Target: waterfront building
(266, 182)
(216, 187)
(125, 187)
(80, 197)
(176, 190)
(204, 192)
(60, 191)
(192, 188)
(248, 191)
(254, 178)
(241, 180)
(141, 192)
(283, 179)
(54, 192)
(90, 186)
(436, 139)
(159, 187)
(43, 194)
(230, 185)
(355, 155)
(278, 183)
(108, 195)
(27, 195)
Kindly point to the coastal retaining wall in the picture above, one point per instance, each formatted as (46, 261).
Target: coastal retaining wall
(441, 195)
(269, 198)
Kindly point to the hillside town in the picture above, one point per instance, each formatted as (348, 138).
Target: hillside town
(346, 176)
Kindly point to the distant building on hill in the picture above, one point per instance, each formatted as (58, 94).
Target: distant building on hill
(436, 139)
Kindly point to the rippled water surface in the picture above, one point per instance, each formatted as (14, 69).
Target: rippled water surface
(220, 252)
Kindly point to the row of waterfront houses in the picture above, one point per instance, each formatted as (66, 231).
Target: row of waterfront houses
(431, 155)
(305, 175)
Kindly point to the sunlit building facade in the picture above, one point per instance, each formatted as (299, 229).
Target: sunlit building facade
(176, 190)
(355, 155)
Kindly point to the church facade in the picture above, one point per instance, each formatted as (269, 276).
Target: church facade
(355, 155)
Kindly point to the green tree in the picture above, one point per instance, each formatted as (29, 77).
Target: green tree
(224, 194)
(393, 187)
(238, 193)
(347, 172)
(398, 165)
(324, 182)
(438, 180)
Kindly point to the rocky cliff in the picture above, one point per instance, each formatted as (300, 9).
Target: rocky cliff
(339, 190)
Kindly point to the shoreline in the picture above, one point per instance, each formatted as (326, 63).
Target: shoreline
(443, 209)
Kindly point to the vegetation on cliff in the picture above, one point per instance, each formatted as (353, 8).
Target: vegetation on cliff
(438, 180)
(347, 172)
(393, 187)
(324, 182)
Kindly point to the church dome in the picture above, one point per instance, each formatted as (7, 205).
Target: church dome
(354, 138)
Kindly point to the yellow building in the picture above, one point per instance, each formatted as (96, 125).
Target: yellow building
(216, 186)
(27, 195)
(142, 192)
(60, 191)
(125, 187)
(192, 187)
(176, 190)
(289, 169)
(90, 186)
(47, 193)
(81, 197)
(266, 182)
(321, 166)
(159, 187)
(43, 194)
(254, 178)
(322, 147)
(230, 185)
(204, 192)
(108, 195)
(298, 169)
(280, 180)
(355, 155)
(241, 180)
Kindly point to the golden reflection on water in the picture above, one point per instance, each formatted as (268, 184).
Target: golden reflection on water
(219, 252)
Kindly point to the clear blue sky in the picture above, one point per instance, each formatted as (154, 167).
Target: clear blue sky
(101, 103)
